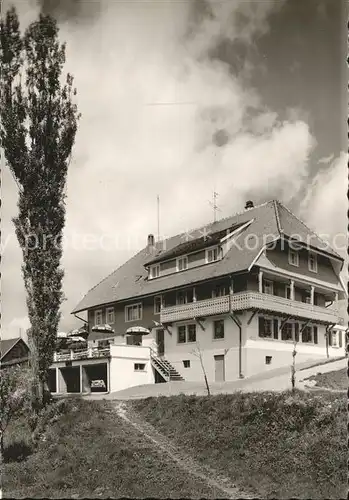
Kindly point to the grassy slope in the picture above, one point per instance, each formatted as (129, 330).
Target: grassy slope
(90, 452)
(332, 380)
(280, 446)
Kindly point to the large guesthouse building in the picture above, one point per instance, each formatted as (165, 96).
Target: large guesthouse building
(239, 292)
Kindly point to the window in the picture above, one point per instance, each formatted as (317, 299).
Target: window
(186, 333)
(158, 304)
(110, 315)
(155, 271)
(293, 258)
(287, 331)
(98, 317)
(268, 360)
(287, 291)
(133, 312)
(335, 339)
(103, 344)
(219, 291)
(182, 263)
(139, 367)
(212, 254)
(218, 329)
(186, 363)
(268, 287)
(307, 334)
(265, 327)
(296, 332)
(192, 333)
(268, 327)
(312, 262)
(181, 334)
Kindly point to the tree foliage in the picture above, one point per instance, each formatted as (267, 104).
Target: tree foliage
(37, 133)
(13, 397)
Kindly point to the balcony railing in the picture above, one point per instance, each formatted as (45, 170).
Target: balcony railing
(200, 308)
(84, 354)
(266, 302)
(247, 300)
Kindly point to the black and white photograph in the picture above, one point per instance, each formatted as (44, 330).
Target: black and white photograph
(174, 249)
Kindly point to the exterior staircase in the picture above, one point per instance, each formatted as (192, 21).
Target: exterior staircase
(164, 368)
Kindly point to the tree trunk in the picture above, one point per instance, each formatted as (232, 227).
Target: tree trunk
(2, 450)
(293, 369)
(205, 377)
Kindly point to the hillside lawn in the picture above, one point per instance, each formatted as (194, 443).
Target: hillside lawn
(275, 445)
(336, 380)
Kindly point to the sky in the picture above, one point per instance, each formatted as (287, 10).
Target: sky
(180, 99)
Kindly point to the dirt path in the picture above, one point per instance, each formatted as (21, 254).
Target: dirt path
(185, 462)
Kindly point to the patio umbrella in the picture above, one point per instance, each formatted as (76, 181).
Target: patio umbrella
(137, 330)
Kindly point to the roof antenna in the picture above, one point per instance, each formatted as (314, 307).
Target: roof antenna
(214, 205)
(158, 213)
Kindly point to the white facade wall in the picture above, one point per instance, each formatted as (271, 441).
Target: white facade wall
(122, 367)
(253, 352)
(176, 353)
(258, 348)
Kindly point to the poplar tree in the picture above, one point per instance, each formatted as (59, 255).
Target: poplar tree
(37, 133)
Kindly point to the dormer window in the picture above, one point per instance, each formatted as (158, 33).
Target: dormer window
(212, 255)
(154, 271)
(182, 263)
(293, 258)
(312, 262)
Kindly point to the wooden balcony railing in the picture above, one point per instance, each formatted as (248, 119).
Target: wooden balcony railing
(265, 302)
(243, 301)
(84, 354)
(200, 308)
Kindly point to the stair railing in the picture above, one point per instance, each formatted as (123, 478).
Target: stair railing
(162, 365)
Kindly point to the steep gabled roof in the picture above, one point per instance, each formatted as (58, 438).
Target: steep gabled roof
(292, 226)
(269, 221)
(7, 344)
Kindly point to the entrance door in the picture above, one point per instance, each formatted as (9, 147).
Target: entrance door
(160, 340)
(219, 368)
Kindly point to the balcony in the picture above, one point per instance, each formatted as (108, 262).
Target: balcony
(265, 302)
(90, 353)
(247, 300)
(198, 309)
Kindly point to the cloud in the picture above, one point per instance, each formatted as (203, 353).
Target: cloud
(17, 327)
(129, 57)
(325, 210)
(325, 205)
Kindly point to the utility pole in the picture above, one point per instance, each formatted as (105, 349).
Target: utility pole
(158, 215)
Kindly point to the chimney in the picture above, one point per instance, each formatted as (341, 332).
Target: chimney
(249, 204)
(151, 241)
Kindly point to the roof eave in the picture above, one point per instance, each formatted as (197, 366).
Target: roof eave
(126, 299)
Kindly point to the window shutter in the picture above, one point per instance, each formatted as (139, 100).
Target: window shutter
(276, 329)
(340, 342)
(296, 331)
(330, 338)
(261, 326)
(315, 335)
